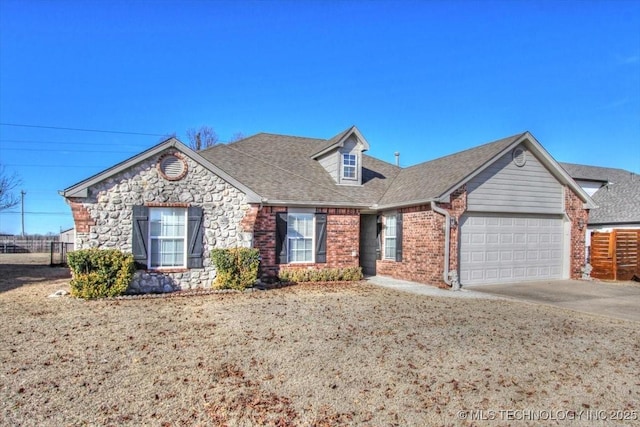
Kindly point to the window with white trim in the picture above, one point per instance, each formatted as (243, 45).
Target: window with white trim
(167, 237)
(300, 234)
(349, 163)
(390, 234)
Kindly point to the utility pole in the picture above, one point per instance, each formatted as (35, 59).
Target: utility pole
(23, 193)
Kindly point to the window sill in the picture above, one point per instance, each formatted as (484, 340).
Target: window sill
(167, 270)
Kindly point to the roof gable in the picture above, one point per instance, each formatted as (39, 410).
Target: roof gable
(435, 180)
(282, 169)
(339, 140)
(81, 189)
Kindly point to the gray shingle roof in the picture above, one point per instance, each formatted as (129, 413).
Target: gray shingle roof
(281, 169)
(594, 173)
(618, 202)
(433, 178)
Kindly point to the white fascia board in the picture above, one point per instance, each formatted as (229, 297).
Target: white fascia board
(316, 204)
(340, 143)
(81, 189)
(558, 171)
(416, 202)
(252, 196)
(546, 159)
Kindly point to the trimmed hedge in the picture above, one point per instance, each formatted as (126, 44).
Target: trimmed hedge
(99, 273)
(236, 268)
(296, 275)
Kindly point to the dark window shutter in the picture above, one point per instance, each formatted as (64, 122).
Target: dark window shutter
(140, 237)
(321, 237)
(281, 238)
(379, 237)
(195, 234)
(398, 236)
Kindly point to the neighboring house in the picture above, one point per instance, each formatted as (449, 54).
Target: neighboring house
(613, 251)
(501, 212)
(67, 236)
(616, 192)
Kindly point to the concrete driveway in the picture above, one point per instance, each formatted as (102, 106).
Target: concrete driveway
(616, 300)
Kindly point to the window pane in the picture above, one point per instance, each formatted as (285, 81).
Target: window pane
(300, 250)
(390, 237)
(168, 236)
(390, 247)
(349, 166)
(390, 225)
(300, 237)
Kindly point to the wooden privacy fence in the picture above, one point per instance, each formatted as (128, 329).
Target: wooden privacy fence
(615, 255)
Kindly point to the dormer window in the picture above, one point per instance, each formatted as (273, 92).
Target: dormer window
(349, 162)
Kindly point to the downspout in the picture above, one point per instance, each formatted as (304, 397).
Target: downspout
(446, 276)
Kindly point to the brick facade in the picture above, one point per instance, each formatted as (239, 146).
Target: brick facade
(81, 216)
(456, 207)
(579, 217)
(343, 237)
(423, 243)
(264, 238)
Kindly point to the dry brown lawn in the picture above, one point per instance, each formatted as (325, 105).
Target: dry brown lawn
(310, 355)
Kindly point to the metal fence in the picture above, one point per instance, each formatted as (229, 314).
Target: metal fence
(59, 251)
(14, 245)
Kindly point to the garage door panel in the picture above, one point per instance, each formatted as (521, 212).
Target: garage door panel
(500, 249)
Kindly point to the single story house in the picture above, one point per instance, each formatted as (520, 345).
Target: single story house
(505, 211)
(615, 191)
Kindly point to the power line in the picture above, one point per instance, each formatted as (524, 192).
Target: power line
(35, 213)
(83, 144)
(59, 166)
(80, 129)
(68, 150)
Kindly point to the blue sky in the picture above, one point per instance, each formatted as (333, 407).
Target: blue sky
(425, 78)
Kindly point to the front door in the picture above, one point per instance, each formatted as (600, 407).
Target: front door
(368, 244)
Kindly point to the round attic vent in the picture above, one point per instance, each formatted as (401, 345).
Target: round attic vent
(172, 167)
(519, 156)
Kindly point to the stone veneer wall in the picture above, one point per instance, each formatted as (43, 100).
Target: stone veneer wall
(577, 214)
(104, 218)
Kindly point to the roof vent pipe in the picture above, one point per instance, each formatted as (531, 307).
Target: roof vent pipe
(397, 154)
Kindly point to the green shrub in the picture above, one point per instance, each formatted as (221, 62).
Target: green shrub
(236, 268)
(99, 273)
(298, 275)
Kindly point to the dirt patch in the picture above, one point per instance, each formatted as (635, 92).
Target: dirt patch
(313, 355)
(27, 270)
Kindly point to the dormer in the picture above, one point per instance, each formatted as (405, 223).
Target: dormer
(341, 157)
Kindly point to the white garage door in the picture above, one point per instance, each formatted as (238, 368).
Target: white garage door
(503, 249)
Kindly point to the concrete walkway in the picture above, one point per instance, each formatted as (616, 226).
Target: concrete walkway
(422, 289)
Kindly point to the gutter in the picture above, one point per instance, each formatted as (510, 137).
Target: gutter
(450, 278)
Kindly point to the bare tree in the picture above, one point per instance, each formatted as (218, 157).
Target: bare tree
(237, 137)
(8, 183)
(202, 138)
(167, 136)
